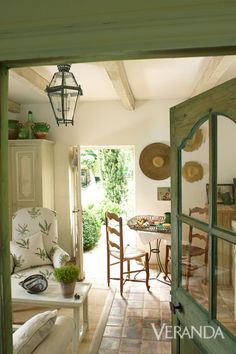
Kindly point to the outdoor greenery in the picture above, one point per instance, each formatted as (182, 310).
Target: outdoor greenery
(67, 274)
(91, 229)
(108, 172)
(88, 159)
(107, 205)
(112, 166)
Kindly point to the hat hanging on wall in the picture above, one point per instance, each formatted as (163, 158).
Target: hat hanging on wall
(195, 142)
(154, 161)
(192, 171)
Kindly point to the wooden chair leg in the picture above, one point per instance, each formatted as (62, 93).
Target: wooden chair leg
(121, 277)
(188, 271)
(128, 268)
(108, 270)
(147, 271)
(166, 262)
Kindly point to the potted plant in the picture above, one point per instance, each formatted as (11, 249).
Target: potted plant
(67, 276)
(40, 129)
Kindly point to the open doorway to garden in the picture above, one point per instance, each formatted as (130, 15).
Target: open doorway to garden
(107, 183)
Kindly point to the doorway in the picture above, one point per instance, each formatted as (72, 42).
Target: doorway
(107, 183)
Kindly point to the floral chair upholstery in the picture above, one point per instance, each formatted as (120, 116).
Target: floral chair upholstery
(34, 245)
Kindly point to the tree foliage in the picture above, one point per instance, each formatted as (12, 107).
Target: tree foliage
(88, 159)
(113, 172)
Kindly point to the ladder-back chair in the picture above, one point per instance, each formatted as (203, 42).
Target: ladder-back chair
(123, 254)
(190, 249)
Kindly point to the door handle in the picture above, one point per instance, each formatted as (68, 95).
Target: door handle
(175, 307)
(76, 211)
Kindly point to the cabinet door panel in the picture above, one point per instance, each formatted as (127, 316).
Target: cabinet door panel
(25, 177)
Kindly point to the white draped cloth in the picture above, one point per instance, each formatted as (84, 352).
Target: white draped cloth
(146, 237)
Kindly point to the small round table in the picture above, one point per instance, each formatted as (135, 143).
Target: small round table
(152, 228)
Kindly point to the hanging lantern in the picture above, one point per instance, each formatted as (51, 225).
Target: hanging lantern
(63, 92)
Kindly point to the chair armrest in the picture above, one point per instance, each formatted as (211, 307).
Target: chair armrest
(59, 257)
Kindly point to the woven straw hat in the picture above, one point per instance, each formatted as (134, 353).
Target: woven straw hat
(154, 161)
(192, 171)
(195, 142)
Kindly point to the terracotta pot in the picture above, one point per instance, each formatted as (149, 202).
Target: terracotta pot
(68, 289)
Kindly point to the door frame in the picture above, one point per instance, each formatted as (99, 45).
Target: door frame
(122, 31)
(185, 119)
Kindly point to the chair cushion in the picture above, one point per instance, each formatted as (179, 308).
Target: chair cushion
(29, 251)
(33, 332)
(28, 221)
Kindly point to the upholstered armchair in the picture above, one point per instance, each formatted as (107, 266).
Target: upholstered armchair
(34, 245)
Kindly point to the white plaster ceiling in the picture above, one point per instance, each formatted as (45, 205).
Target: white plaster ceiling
(149, 80)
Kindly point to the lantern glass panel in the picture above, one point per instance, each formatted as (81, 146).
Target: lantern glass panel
(69, 80)
(56, 80)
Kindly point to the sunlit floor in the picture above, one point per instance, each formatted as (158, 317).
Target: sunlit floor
(129, 326)
(129, 323)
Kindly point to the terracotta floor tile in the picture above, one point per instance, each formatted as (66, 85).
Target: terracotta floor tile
(132, 332)
(130, 345)
(134, 312)
(149, 334)
(150, 347)
(115, 321)
(138, 289)
(117, 311)
(136, 296)
(132, 321)
(120, 303)
(151, 304)
(112, 331)
(147, 322)
(148, 313)
(110, 343)
(135, 304)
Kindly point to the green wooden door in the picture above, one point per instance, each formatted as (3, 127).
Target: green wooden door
(203, 152)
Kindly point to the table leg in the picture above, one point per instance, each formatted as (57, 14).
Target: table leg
(158, 258)
(76, 336)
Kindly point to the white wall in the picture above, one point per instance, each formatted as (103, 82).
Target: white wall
(108, 123)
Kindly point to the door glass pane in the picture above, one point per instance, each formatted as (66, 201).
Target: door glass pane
(194, 263)
(226, 282)
(195, 170)
(226, 172)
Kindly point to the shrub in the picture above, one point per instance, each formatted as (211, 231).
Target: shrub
(67, 274)
(91, 229)
(108, 205)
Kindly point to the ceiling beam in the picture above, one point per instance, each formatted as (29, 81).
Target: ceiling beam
(117, 74)
(214, 70)
(13, 107)
(32, 77)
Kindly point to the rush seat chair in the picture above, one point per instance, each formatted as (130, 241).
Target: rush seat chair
(123, 254)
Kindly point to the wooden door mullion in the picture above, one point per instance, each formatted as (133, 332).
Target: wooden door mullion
(5, 281)
(212, 249)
